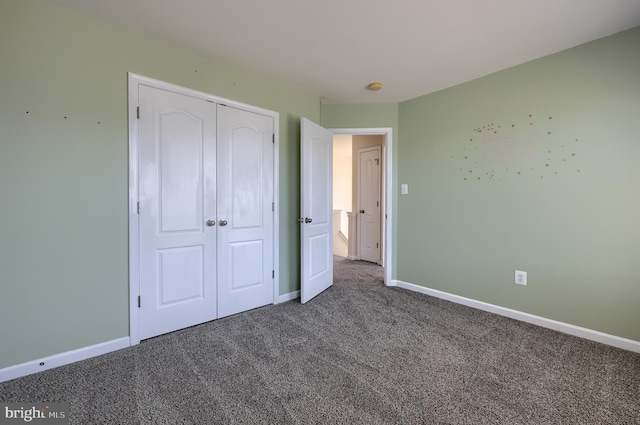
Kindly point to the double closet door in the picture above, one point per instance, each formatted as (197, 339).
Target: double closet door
(206, 220)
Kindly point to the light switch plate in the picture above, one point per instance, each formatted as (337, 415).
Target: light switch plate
(404, 188)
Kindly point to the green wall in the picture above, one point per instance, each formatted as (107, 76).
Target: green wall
(376, 115)
(64, 170)
(534, 168)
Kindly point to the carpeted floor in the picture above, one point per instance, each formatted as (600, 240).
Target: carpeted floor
(359, 353)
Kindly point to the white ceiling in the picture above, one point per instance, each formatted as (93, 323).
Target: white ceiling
(334, 48)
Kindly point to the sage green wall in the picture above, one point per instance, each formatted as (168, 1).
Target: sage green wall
(534, 168)
(64, 170)
(375, 115)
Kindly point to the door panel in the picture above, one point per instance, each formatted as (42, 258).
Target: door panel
(246, 155)
(177, 177)
(181, 166)
(244, 210)
(319, 260)
(181, 276)
(369, 202)
(246, 277)
(316, 167)
(321, 180)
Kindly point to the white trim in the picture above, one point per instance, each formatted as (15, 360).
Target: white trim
(288, 297)
(61, 359)
(387, 262)
(136, 80)
(276, 208)
(590, 334)
(134, 244)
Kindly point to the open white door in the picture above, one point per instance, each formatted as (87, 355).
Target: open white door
(316, 204)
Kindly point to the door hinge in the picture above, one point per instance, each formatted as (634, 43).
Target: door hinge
(273, 207)
(377, 161)
(273, 274)
(138, 112)
(139, 304)
(376, 244)
(138, 207)
(273, 138)
(377, 203)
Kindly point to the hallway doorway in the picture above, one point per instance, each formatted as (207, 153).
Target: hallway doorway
(348, 144)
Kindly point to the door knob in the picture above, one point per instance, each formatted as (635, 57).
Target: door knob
(308, 220)
(211, 223)
(223, 222)
(361, 211)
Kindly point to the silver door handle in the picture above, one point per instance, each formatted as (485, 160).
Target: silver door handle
(211, 223)
(223, 222)
(308, 220)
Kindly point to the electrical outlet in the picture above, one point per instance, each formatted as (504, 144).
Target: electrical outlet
(521, 277)
(404, 188)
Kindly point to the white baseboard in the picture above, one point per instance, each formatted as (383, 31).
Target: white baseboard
(17, 371)
(615, 341)
(288, 297)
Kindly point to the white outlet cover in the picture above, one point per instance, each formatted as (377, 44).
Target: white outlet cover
(404, 188)
(520, 277)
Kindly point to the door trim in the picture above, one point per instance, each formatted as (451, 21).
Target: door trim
(134, 80)
(387, 201)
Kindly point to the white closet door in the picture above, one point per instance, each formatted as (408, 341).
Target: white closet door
(245, 210)
(177, 196)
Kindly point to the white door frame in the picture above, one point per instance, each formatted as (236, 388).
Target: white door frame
(134, 244)
(387, 199)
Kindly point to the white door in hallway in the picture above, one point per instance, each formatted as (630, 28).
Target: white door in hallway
(177, 197)
(245, 210)
(369, 204)
(316, 209)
